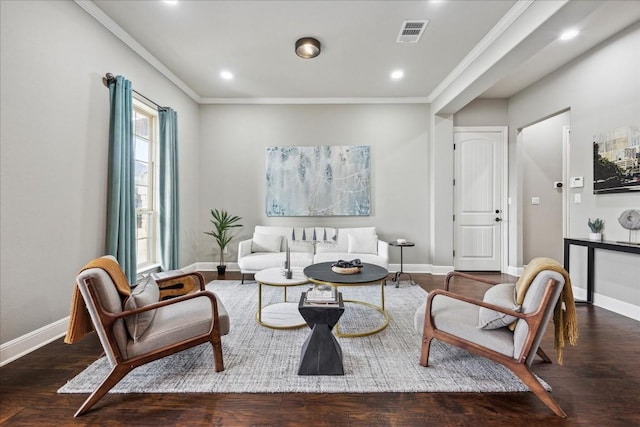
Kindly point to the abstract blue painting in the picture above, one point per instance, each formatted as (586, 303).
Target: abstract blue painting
(318, 181)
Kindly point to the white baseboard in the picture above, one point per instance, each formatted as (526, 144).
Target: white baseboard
(209, 266)
(514, 271)
(27, 343)
(619, 307)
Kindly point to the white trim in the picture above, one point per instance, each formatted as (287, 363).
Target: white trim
(566, 151)
(132, 43)
(32, 341)
(514, 271)
(120, 33)
(622, 308)
(305, 101)
(504, 24)
(504, 202)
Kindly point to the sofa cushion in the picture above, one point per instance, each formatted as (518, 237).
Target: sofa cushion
(503, 295)
(266, 242)
(285, 232)
(362, 244)
(300, 246)
(142, 295)
(344, 233)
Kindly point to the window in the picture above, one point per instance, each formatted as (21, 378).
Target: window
(145, 133)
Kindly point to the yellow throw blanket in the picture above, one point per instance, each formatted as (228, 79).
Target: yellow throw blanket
(79, 320)
(565, 321)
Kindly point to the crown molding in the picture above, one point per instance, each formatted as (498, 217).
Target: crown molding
(90, 7)
(97, 13)
(503, 24)
(258, 101)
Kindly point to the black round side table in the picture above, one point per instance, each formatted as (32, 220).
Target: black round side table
(396, 278)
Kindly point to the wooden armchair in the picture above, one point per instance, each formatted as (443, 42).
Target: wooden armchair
(141, 328)
(459, 320)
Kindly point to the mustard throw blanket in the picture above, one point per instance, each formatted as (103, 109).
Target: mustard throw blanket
(564, 318)
(79, 320)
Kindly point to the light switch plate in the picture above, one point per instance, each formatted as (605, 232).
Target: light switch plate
(535, 200)
(577, 198)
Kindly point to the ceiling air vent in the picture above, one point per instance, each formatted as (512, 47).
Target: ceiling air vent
(411, 31)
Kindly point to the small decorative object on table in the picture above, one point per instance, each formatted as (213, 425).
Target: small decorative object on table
(596, 229)
(287, 264)
(347, 267)
(630, 220)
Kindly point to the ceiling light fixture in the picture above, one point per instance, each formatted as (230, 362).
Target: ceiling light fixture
(397, 74)
(307, 47)
(227, 75)
(569, 34)
(171, 2)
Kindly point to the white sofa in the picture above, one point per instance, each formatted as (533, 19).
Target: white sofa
(309, 245)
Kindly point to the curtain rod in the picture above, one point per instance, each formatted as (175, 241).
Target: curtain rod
(108, 78)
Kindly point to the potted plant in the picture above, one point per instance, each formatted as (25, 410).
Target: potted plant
(222, 223)
(596, 229)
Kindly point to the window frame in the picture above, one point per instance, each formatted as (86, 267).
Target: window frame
(140, 107)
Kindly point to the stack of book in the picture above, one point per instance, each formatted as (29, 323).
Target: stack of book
(320, 296)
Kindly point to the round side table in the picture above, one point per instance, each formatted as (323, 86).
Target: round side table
(396, 278)
(281, 315)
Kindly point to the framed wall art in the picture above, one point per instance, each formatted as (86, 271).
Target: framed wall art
(318, 181)
(616, 160)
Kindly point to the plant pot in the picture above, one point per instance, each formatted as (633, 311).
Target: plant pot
(597, 237)
(221, 270)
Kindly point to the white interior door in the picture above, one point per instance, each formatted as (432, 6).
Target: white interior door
(479, 198)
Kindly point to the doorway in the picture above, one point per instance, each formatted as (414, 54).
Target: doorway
(544, 147)
(480, 242)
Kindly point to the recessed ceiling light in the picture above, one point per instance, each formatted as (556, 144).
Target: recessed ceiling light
(171, 2)
(397, 74)
(569, 34)
(307, 47)
(227, 75)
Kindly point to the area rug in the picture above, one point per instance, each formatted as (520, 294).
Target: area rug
(262, 360)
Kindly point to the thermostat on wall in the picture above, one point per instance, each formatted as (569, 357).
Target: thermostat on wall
(577, 182)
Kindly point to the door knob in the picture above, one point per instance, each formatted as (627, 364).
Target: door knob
(498, 219)
(497, 210)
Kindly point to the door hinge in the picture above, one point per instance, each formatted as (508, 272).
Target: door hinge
(454, 146)
(454, 253)
(454, 182)
(454, 217)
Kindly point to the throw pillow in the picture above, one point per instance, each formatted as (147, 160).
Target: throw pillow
(361, 244)
(503, 295)
(266, 243)
(142, 295)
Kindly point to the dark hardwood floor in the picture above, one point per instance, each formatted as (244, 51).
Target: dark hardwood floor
(598, 385)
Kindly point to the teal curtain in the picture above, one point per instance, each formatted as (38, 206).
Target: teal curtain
(121, 210)
(168, 189)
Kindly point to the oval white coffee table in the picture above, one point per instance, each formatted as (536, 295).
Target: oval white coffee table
(281, 315)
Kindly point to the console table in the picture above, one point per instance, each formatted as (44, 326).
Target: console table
(592, 245)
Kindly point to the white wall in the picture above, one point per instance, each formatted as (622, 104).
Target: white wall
(602, 90)
(483, 112)
(54, 116)
(232, 165)
(542, 160)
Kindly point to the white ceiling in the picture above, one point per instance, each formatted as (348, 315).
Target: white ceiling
(193, 41)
